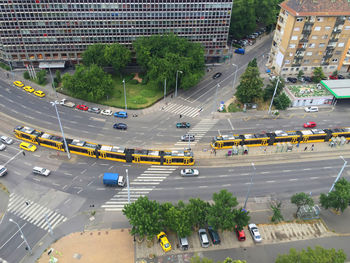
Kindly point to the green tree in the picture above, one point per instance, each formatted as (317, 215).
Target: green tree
(26, 75)
(94, 54)
(178, 220)
(117, 56)
(253, 63)
(197, 211)
(230, 260)
(270, 89)
(335, 73)
(58, 77)
(162, 56)
(318, 75)
(241, 218)
(276, 209)
(144, 216)
(88, 83)
(197, 259)
(266, 11)
(250, 86)
(301, 199)
(221, 213)
(339, 198)
(242, 18)
(41, 76)
(300, 74)
(317, 255)
(281, 102)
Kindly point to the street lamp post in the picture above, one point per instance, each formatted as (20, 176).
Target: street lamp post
(234, 80)
(126, 107)
(52, 82)
(341, 171)
(216, 95)
(59, 122)
(177, 72)
(164, 89)
(127, 182)
(274, 93)
(22, 235)
(250, 185)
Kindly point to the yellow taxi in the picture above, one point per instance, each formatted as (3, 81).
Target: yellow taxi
(18, 83)
(39, 93)
(28, 89)
(27, 146)
(164, 242)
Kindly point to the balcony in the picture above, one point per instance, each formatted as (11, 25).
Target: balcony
(296, 65)
(304, 40)
(336, 31)
(327, 56)
(306, 31)
(330, 47)
(308, 24)
(340, 21)
(333, 40)
(300, 49)
(324, 63)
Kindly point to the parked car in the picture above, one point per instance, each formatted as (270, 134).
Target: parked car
(240, 51)
(183, 125)
(333, 77)
(6, 140)
(107, 112)
(18, 83)
(311, 109)
(39, 93)
(240, 234)
(121, 114)
(164, 242)
(214, 235)
(187, 137)
(254, 231)
(307, 79)
(41, 171)
(217, 75)
(189, 172)
(293, 80)
(120, 126)
(3, 170)
(94, 110)
(82, 107)
(2, 146)
(203, 237)
(310, 124)
(27, 146)
(341, 77)
(183, 243)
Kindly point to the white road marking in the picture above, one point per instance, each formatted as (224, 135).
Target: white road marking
(229, 121)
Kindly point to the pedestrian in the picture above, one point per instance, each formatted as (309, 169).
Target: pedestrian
(180, 116)
(171, 96)
(24, 154)
(27, 202)
(305, 149)
(312, 147)
(265, 150)
(214, 152)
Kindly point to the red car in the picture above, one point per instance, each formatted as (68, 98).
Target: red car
(333, 77)
(240, 234)
(310, 124)
(82, 107)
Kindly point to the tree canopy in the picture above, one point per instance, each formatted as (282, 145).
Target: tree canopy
(117, 56)
(339, 198)
(317, 255)
(301, 199)
(318, 75)
(94, 54)
(162, 56)
(250, 86)
(88, 83)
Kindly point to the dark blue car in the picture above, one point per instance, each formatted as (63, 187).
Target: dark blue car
(240, 51)
(121, 114)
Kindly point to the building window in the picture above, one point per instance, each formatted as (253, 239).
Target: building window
(324, 36)
(321, 45)
(347, 28)
(340, 44)
(306, 61)
(317, 28)
(320, 19)
(291, 54)
(299, 19)
(314, 37)
(334, 60)
(296, 28)
(294, 37)
(287, 62)
(285, 69)
(308, 53)
(291, 45)
(312, 45)
(327, 28)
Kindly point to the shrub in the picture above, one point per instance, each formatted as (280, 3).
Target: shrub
(4, 66)
(26, 75)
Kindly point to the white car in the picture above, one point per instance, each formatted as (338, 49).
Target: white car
(2, 146)
(106, 112)
(253, 229)
(311, 109)
(6, 140)
(189, 172)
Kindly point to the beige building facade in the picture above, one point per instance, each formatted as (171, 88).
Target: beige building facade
(309, 34)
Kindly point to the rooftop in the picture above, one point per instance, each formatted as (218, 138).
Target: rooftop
(310, 90)
(340, 88)
(317, 7)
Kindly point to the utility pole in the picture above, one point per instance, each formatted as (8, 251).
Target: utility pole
(126, 107)
(22, 236)
(164, 89)
(177, 71)
(234, 80)
(216, 95)
(250, 185)
(52, 82)
(274, 93)
(341, 171)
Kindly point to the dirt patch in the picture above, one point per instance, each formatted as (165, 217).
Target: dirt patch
(107, 246)
(280, 235)
(137, 77)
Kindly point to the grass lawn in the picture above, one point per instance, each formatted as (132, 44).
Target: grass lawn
(137, 96)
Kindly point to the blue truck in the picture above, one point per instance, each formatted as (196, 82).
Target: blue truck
(113, 179)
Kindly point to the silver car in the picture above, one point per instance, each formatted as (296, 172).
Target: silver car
(189, 172)
(2, 146)
(203, 237)
(6, 140)
(253, 229)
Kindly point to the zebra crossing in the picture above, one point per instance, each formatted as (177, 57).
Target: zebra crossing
(141, 186)
(181, 109)
(199, 130)
(34, 213)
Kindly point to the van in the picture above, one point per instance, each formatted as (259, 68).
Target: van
(240, 51)
(41, 171)
(183, 242)
(3, 170)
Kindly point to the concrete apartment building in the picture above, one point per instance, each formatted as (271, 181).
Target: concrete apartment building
(56, 32)
(309, 34)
